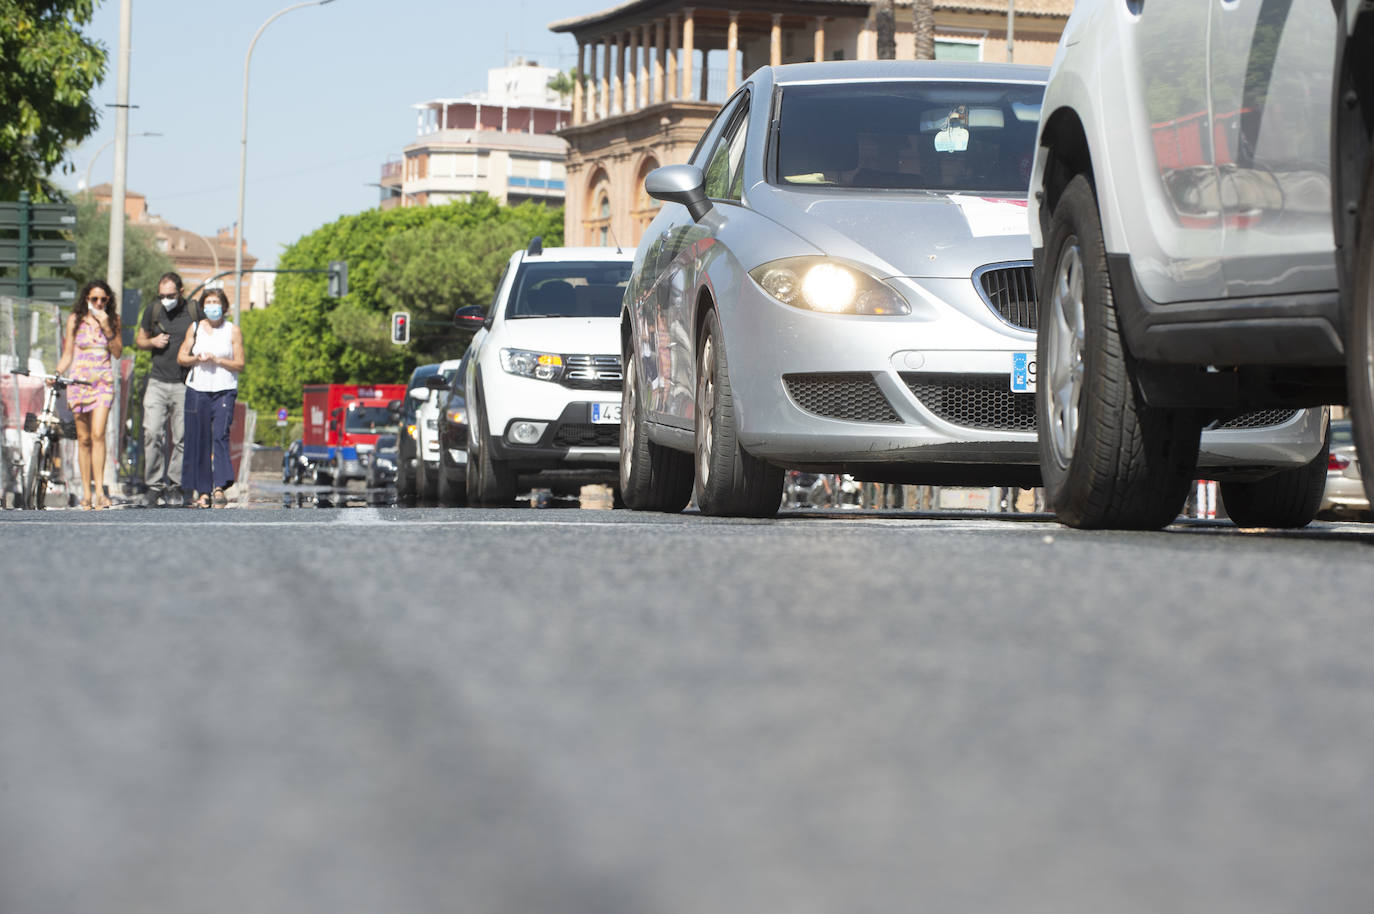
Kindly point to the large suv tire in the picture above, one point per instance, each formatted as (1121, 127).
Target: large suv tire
(1107, 459)
(426, 485)
(490, 482)
(1287, 499)
(729, 482)
(451, 495)
(1360, 340)
(652, 477)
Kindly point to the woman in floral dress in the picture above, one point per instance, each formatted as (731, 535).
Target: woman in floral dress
(89, 348)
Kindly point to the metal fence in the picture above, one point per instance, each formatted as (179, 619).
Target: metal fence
(30, 338)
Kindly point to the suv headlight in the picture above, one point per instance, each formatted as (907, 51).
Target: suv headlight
(828, 285)
(458, 416)
(545, 366)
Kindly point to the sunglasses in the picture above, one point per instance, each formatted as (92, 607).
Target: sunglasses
(97, 301)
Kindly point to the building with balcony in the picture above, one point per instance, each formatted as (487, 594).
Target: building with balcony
(501, 142)
(654, 73)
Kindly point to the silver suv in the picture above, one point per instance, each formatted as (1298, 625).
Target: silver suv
(1182, 231)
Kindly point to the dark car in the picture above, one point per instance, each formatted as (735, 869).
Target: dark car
(381, 463)
(453, 441)
(407, 437)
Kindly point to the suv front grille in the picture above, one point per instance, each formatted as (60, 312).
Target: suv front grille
(585, 434)
(1263, 418)
(854, 397)
(983, 401)
(592, 372)
(1010, 291)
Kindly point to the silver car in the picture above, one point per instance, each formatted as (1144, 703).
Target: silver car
(840, 283)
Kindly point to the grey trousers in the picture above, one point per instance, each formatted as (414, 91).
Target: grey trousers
(163, 400)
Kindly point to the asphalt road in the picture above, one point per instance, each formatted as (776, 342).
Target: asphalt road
(613, 713)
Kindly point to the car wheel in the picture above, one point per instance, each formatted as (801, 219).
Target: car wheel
(1360, 341)
(426, 486)
(1287, 499)
(405, 482)
(652, 477)
(451, 495)
(729, 482)
(1107, 459)
(490, 482)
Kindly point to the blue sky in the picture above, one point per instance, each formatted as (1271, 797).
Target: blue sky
(329, 99)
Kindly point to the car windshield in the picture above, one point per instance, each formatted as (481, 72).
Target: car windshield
(369, 420)
(569, 289)
(386, 443)
(915, 135)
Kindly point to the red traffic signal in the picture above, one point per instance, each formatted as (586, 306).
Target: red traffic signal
(400, 327)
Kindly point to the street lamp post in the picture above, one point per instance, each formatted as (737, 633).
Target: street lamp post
(243, 152)
(108, 144)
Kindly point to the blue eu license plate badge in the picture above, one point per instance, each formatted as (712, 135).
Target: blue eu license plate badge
(1023, 372)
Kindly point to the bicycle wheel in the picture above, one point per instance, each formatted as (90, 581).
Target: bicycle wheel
(36, 484)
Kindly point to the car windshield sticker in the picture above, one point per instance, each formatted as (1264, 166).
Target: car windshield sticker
(992, 215)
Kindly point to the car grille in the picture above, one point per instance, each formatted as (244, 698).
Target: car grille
(592, 372)
(585, 434)
(974, 400)
(1263, 418)
(854, 397)
(1010, 291)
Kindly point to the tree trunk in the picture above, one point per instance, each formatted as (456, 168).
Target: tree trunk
(885, 19)
(923, 23)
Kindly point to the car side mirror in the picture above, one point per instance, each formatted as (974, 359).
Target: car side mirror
(333, 425)
(420, 393)
(394, 410)
(683, 184)
(471, 318)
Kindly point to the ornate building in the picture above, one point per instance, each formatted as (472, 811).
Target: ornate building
(654, 73)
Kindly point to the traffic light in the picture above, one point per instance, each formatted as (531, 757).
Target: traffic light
(338, 278)
(400, 327)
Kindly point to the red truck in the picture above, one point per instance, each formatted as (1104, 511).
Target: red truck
(343, 421)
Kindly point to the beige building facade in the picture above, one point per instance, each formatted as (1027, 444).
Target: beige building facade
(654, 73)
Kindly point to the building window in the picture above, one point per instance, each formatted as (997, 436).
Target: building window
(598, 219)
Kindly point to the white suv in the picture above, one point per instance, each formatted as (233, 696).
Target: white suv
(427, 467)
(543, 378)
(1180, 215)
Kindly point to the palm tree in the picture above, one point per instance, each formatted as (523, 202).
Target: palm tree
(923, 23)
(886, 20)
(563, 83)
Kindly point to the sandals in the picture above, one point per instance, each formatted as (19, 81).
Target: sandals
(221, 500)
(202, 501)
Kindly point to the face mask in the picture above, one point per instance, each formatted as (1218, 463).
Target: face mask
(170, 302)
(214, 312)
(98, 312)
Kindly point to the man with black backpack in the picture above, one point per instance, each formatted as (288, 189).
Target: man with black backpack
(161, 331)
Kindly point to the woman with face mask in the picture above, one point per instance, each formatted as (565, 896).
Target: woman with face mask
(213, 350)
(89, 348)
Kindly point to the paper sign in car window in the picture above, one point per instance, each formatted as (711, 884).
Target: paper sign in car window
(992, 215)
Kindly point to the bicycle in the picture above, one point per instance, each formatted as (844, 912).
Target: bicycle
(50, 431)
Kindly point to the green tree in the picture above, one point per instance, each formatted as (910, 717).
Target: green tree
(563, 83)
(426, 260)
(47, 71)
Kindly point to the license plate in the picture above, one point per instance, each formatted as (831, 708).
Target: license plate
(605, 413)
(1023, 372)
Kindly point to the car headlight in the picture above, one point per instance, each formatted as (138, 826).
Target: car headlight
(827, 285)
(458, 416)
(545, 366)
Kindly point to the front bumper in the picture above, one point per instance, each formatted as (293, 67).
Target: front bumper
(570, 440)
(926, 397)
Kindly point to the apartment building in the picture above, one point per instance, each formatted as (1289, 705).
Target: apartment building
(501, 142)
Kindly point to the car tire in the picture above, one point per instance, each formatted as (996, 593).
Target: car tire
(451, 495)
(1287, 499)
(405, 481)
(729, 482)
(652, 477)
(1360, 340)
(1107, 459)
(426, 486)
(490, 482)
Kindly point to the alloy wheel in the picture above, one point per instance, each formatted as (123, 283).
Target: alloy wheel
(1066, 344)
(706, 409)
